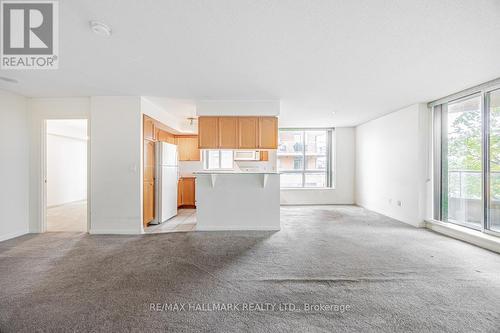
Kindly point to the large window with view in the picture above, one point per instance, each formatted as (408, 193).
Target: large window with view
(304, 158)
(467, 159)
(462, 163)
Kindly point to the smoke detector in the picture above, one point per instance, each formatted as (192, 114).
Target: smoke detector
(100, 28)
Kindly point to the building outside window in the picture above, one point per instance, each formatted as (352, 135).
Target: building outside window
(304, 158)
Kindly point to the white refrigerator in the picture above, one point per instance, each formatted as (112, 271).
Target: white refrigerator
(167, 177)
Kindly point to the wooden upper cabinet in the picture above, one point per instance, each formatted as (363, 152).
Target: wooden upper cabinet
(237, 132)
(268, 132)
(248, 132)
(188, 148)
(164, 136)
(149, 129)
(208, 132)
(228, 132)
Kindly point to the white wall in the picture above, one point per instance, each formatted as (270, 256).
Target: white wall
(176, 124)
(14, 166)
(41, 109)
(116, 179)
(238, 108)
(391, 164)
(66, 161)
(344, 160)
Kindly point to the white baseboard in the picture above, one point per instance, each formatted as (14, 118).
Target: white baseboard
(235, 228)
(13, 235)
(420, 224)
(316, 204)
(114, 232)
(471, 236)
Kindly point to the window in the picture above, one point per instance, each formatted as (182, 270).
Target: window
(493, 190)
(467, 159)
(462, 162)
(218, 159)
(304, 157)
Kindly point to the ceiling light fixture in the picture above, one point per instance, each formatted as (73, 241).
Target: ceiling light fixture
(100, 28)
(8, 79)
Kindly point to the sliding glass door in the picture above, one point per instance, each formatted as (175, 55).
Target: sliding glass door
(493, 212)
(462, 200)
(467, 160)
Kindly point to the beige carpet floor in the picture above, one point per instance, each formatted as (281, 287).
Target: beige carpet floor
(374, 274)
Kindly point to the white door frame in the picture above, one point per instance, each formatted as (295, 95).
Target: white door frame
(43, 160)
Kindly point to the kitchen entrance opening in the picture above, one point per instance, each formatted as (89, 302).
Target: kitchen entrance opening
(66, 175)
(169, 163)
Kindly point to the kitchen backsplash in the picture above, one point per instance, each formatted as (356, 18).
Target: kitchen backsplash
(186, 168)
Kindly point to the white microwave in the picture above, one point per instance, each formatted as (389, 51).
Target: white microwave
(246, 155)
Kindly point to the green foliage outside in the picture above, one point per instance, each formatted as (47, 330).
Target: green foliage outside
(464, 154)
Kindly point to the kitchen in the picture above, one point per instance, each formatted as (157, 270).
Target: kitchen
(222, 178)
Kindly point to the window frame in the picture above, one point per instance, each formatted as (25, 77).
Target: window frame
(438, 108)
(206, 158)
(329, 157)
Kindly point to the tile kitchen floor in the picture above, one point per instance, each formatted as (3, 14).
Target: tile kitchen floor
(184, 221)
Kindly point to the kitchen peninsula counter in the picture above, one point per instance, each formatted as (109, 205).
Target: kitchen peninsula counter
(233, 200)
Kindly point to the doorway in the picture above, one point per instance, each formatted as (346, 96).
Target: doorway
(66, 175)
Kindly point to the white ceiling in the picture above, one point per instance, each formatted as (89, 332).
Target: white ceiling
(359, 59)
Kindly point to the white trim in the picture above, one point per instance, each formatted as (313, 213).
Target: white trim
(235, 228)
(43, 166)
(43, 188)
(481, 88)
(418, 224)
(468, 235)
(13, 235)
(307, 188)
(318, 204)
(114, 232)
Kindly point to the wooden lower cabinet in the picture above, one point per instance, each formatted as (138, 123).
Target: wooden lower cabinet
(148, 213)
(186, 192)
(148, 203)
